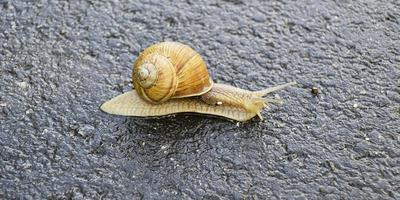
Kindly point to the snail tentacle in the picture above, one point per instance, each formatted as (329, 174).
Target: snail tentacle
(266, 91)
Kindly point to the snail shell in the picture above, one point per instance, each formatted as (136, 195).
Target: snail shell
(170, 70)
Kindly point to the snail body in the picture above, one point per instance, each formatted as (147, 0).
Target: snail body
(170, 77)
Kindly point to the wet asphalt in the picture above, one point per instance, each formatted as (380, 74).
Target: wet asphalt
(335, 137)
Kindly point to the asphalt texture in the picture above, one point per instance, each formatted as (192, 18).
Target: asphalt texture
(59, 60)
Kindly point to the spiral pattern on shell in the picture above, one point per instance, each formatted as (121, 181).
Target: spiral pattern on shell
(170, 70)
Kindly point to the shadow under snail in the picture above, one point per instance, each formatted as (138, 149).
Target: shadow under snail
(170, 77)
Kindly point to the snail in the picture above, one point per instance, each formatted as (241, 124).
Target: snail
(171, 77)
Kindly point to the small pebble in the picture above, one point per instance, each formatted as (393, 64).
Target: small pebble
(258, 17)
(29, 111)
(315, 91)
(22, 85)
(86, 130)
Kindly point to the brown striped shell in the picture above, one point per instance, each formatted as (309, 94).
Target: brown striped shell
(170, 70)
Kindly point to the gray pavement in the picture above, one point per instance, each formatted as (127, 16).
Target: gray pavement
(59, 60)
